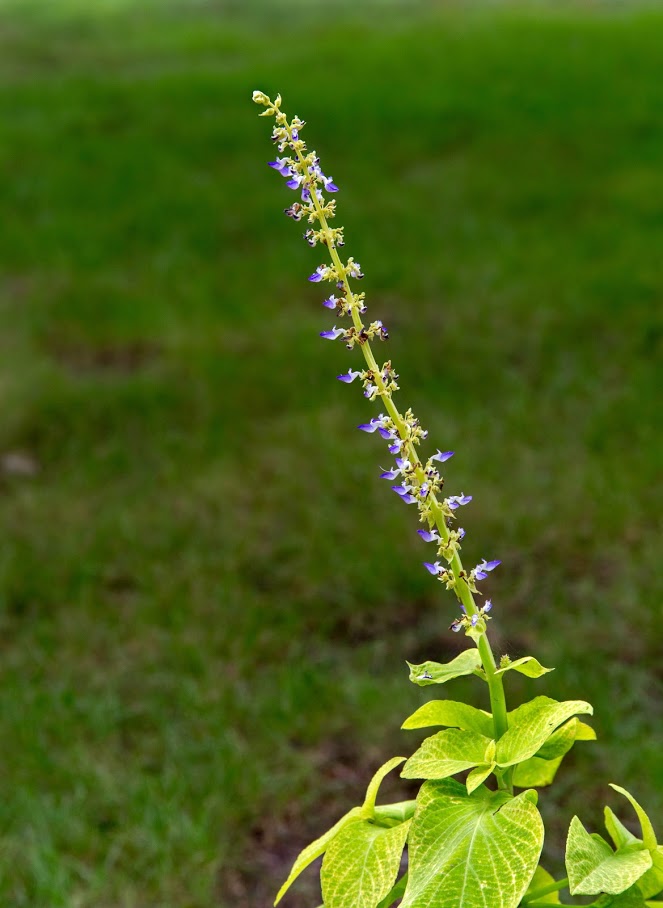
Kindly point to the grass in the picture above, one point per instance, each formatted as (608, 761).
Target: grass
(206, 596)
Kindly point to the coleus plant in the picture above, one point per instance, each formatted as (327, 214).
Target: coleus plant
(474, 843)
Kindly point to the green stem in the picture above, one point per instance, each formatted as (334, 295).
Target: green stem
(495, 683)
(546, 890)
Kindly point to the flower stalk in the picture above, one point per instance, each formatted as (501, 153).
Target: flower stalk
(421, 482)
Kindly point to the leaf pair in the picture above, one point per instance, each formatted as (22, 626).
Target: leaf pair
(533, 733)
(469, 663)
(632, 873)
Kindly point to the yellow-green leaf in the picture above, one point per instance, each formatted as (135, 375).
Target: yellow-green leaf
(471, 851)
(585, 732)
(427, 673)
(445, 753)
(532, 724)
(535, 772)
(478, 775)
(361, 864)
(593, 867)
(315, 849)
(619, 834)
(452, 714)
(528, 665)
(541, 880)
(368, 807)
(648, 834)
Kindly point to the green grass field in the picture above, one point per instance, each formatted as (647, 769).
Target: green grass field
(207, 596)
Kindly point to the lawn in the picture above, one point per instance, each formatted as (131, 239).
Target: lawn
(207, 595)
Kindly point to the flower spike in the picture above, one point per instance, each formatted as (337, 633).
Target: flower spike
(420, 482)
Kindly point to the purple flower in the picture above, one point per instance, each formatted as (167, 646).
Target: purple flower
(487, 606)
(442, 457)
(370, 390)
(280, 165)
(396, 446)
(490, 565)
(348, 376)
(318, 274)
(480, 572)
(333, 334)
(404, 493)
(429, 535)
(402, 466)
(474, 619)
(371, 426)
(387, 434)
(389, 474)
(331, 302)
(456, 625)
(330, 186)
(434, 569)
(295, 181)
(354, 270)
(455, 501)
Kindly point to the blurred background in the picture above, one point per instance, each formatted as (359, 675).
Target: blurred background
(207, 595)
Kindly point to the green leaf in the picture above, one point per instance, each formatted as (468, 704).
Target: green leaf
(361, 864)
(540, 770)
(471, 851)
(532, 724)
(648, 834)
(368, 807)
(445, 753)
(652, 882)
(477, 776)
(631, 898)
(560, 742)
(314, 850)
(541, 880)
(585, 732)
(619, 834)
(593, 867)
(451, 713)
(528, 665)
(427, 673)
(535, 772)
